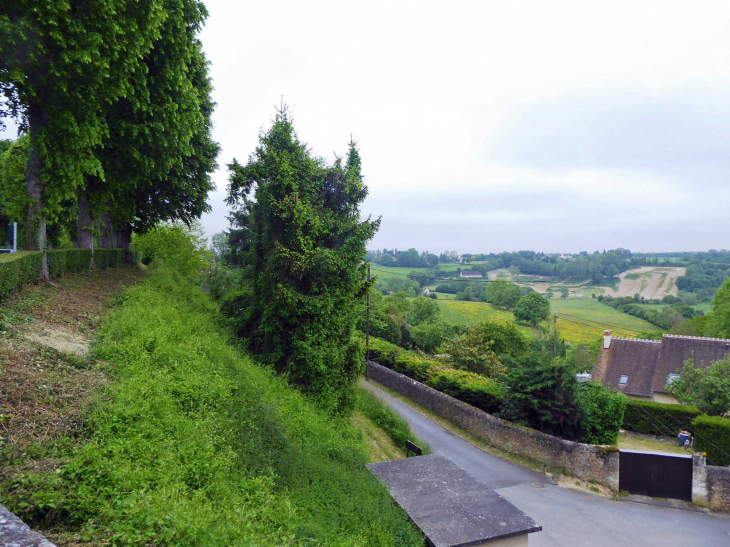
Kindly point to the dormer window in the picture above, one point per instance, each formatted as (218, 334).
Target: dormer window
(671, 378)
(623, 380)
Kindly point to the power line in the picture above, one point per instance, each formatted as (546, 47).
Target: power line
(601, 324)
(596, 326)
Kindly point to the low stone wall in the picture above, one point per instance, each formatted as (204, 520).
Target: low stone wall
(599, 464)
(718, 488)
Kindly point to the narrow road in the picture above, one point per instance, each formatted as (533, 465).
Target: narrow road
(569, 518)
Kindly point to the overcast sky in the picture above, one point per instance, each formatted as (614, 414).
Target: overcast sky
(492, 126)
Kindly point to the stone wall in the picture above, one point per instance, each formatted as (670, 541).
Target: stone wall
(599, 464)
(710, 485)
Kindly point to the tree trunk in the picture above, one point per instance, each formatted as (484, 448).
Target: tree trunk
(124, 241)
(85, 237)
(107, 238)
(37, 118)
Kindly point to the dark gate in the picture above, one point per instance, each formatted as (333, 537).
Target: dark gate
(656, 475)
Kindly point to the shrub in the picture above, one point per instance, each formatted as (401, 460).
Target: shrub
(17, 270)
(471, 388)
(655, 418)
(712, 435)
(182, 247)
(601, 413)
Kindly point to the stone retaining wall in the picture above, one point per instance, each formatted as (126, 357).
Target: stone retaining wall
(599, 464)
(710, 485)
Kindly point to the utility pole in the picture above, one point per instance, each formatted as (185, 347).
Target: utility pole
(555, 333)
(367, 329)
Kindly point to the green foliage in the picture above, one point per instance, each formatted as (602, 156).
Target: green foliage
(473, 351)
(474, 389)
(178, 245)
(719, 321)
(18, 270)
(502, 294)
(73, 63)
(712, 435)
(601, 413)
(543, 394)
(305, 272)
(428, 337)
(654, 418)
(14, 199)
(533, 308)
(388, 420)
(195, 445)
(24, 268)
(422, 310)
(706, 388)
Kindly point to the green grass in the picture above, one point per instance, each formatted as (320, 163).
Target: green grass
(601, 317)
(456, 312)
(386, 419)
(194, 444)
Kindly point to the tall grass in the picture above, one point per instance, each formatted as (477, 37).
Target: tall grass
(193, 444)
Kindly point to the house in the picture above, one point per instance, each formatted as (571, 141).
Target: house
(472, 274)
(642, 368)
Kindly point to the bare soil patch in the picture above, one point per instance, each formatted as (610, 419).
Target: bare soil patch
(46, 373)
(648, 281)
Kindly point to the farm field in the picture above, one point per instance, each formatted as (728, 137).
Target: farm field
(594, 318)
(387, 271)
(462, 313)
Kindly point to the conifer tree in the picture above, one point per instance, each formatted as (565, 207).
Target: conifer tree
(305, 273)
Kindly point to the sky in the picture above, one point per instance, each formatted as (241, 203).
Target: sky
(494, 126)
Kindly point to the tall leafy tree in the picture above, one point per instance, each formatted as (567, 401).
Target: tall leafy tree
(158, 154)
(305, 274)
(62, 62)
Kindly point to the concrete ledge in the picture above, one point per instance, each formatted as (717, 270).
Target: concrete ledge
(599, 464)
(15, 533)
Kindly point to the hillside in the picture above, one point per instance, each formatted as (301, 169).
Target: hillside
(166, 433)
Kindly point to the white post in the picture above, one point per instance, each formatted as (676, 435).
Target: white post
(15, 237)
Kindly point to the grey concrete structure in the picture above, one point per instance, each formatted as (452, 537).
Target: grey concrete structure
(450, 506)
(569, 517)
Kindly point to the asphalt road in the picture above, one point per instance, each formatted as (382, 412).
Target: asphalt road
(569, 518)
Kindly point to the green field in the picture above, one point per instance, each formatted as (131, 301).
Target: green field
(595, 318)
(456, 312)
(376, 270)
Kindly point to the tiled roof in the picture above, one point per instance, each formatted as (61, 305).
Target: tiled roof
(647, 363)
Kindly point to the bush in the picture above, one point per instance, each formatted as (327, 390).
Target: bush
(601, 413)
(182, 247)
(474, 389)
(17, 270)
(193, 444)
(655, 418)
(712, 435)
(24, 268)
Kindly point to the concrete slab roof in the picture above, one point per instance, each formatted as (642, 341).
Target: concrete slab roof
(450, 506)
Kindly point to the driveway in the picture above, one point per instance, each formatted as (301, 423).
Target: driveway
(569, 518)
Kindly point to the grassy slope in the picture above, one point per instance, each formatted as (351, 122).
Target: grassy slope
(604, 317)
(457, 312)
(8, 257)
(195, 445)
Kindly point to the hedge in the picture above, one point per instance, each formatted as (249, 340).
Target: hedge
(24, 268)
(655, 418)
(712, 435)
(474, 389)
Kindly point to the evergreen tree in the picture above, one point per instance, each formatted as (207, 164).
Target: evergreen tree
(305, 275)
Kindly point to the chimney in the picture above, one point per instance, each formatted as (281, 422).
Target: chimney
(606, 340)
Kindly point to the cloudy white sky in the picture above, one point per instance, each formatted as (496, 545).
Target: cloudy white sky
(491, 126)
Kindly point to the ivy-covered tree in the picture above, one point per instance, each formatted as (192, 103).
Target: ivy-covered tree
(305, 275)
(62, 62)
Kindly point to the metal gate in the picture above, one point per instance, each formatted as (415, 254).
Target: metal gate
(655, 474)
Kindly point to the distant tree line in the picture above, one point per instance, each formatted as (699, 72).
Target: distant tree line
(667, 318)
